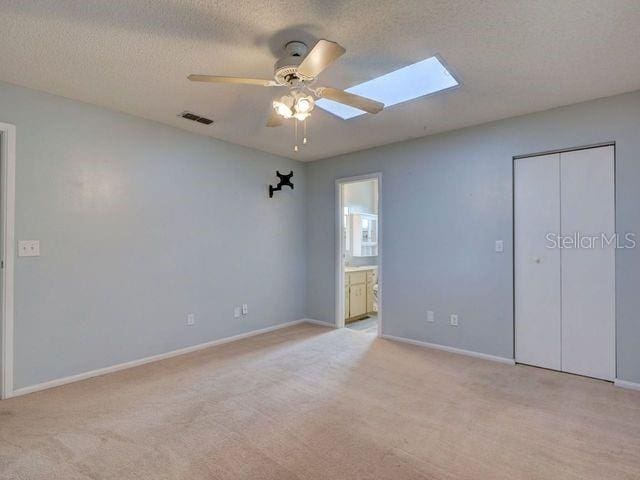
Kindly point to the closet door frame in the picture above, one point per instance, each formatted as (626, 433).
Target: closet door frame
(513, 232)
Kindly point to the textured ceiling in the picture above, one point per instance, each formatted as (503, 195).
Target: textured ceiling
(512, 57)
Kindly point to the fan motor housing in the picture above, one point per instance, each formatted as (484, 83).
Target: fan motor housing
(286, 69)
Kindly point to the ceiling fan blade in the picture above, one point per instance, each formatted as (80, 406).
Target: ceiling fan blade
(323, 54)
(238, 80)
(275, 120)
(356, 101)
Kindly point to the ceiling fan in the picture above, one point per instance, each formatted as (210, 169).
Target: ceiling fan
(298, 71)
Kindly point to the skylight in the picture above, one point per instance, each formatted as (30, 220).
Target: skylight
(413, 81)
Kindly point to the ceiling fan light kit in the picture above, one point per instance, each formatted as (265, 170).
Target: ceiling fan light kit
(295, 104)
(298, 71)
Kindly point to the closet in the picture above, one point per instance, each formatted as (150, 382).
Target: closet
(564, 267)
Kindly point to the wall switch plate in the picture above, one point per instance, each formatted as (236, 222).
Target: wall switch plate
(237, 311)
(245, 308)
(499, 247)
(430, 316)
(191, 319)
(453, 320)
(29, 248)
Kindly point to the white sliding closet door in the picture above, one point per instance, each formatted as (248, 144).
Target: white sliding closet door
(588, 274)
(537, 268)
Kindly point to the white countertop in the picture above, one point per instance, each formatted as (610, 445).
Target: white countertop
(360, 269)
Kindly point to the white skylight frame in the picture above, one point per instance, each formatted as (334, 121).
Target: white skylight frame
(392, 89)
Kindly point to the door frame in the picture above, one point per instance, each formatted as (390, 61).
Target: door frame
(7, 252)
(513, 232)
(339, 247)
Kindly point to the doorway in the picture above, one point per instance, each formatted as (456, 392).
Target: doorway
(359, 253)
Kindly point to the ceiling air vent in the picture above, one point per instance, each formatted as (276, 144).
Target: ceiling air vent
(196, 118)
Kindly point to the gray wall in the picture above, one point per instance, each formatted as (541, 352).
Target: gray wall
(446, 199)
(139, 225)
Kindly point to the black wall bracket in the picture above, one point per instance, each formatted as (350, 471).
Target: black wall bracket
(285, 181)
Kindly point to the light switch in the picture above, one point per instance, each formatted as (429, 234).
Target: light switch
(29, 248)
(499, 246)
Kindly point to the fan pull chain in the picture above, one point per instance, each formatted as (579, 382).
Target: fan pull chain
(304, 137)
(295, 127)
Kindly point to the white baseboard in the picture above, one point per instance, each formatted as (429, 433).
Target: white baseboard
(142, 361)
(320, 322)
(625, 384)
(194, 348)
(469, 353)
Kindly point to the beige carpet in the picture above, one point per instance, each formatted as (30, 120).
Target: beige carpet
(313, 403)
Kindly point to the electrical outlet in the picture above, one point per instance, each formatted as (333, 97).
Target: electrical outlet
(453, 320)
(237, 311)
(245, 308)
(431, 316)
(191, 319)
(499, 246)
(29, 248)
